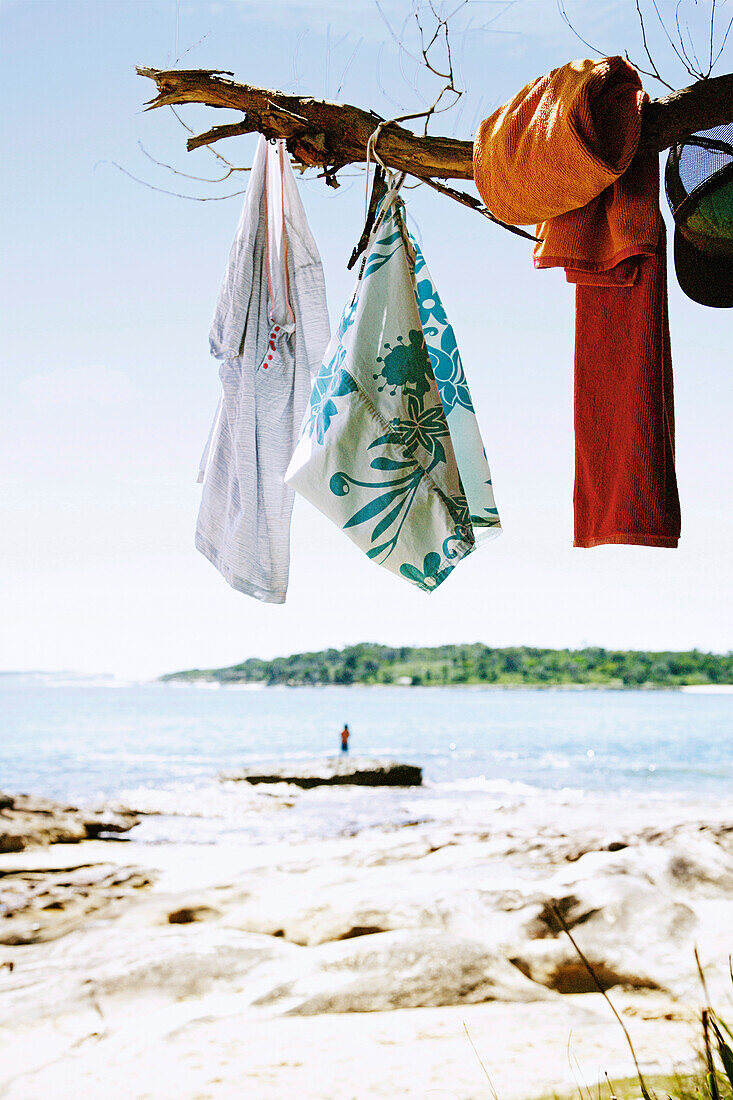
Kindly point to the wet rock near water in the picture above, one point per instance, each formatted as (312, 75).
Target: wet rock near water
(38, 904)
(26, 821)
(355, 771)
(42, 900)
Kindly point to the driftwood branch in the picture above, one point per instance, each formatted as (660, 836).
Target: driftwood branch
(703, 105)
(319, 133)
(232, 129)
(326, 135)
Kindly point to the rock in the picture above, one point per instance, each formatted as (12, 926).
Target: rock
(360, 772)
(20, 828)
(43, 904)
(565, 973)
(451, 910)
(101, 822)
(191, 913)
(635, 905)
(408, 969)
(626, 913)
(27, 820)
(108, 967)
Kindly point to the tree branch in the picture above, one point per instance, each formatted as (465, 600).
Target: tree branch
(705, 104)
(330, 135)
(232, 129)
(322, 134)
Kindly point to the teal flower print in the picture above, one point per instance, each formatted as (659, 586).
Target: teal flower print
(430, 576)
(421, 428)
(445, 359)
(392, 502)
(332, 381)
(383, 251)
(429, 304)
(347, 317)
(459, 510)
(406, 365)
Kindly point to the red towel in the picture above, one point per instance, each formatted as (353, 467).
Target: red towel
(563, 153)
(625, 485)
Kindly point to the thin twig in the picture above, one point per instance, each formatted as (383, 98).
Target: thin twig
(380, 83)
(697, 71)
(193, 47)
(682, 58)
(296, 77)
(475, 204)
(348, 65)
(164, 191)
(397, 39)
(566, 19)
(477, 114)
(410, 80)
(722, 45)
(215, 152)
(187, 175)
(655, 71)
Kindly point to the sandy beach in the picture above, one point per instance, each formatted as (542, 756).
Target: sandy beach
(307, 301)
(351, 968)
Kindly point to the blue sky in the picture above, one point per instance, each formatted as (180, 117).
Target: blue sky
(108, 289)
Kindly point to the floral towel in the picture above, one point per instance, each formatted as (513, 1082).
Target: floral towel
(390, 448)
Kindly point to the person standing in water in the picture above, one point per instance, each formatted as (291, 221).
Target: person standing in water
(345, 739)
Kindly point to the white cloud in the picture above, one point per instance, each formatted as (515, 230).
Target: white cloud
(92, 385)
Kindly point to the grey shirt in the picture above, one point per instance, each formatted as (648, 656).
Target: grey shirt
(269, 333)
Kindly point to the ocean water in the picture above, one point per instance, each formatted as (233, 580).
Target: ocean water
(161, 746)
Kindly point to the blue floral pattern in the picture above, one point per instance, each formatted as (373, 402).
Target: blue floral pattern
(442, 347)
(332, 381)
(390, 447)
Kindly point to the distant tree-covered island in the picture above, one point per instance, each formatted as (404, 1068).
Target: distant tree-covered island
(476, 664)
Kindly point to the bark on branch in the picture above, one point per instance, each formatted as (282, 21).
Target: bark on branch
(322, 134)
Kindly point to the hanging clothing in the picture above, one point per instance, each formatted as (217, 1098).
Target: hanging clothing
(269, 333)
(390, 448)
(563, 154)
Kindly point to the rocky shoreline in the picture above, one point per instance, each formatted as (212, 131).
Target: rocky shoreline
(27, 820)
(334, 772)
(40, 903)
(432, 916)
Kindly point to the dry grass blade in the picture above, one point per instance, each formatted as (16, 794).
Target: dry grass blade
(712, 1081)
(563, 924)
(724, 1050)
(701, 972)
(480, 1061)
